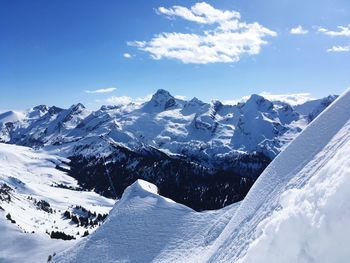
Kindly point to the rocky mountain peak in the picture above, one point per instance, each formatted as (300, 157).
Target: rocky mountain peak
(162, 99)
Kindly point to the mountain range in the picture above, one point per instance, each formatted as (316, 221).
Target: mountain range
(204, 155)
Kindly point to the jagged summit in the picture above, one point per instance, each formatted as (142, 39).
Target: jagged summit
(54, 110)
(78, 106)
(162, 92)
(195, 100)
(259, 102)
(161, 100)
(43, 108)
(193, 106)
(217, 105)
(76, 109)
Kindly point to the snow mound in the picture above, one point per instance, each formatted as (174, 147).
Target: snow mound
(142, 189)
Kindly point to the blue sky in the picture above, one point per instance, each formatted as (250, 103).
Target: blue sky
(53, 52)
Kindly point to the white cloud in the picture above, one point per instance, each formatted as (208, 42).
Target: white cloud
(180, 97)
(125, 100)
(291, 98)
(299, 30)
(105, 90)
(121, 100)
(230, 39)
(201, 13)
(143, 99)
(339, 49)
(343, 31)
(127, 55)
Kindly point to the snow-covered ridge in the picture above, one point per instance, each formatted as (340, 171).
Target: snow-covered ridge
(142, 224)
(298, 211)
(190, 128)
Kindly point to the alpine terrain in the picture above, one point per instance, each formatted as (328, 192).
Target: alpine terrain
(297, 211)
(203, 155)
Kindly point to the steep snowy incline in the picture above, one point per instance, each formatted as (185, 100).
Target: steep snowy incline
(298, 209)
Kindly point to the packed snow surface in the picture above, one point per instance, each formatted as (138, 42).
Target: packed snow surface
(297, 211)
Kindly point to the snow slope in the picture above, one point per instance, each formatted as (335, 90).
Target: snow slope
(18, 247)
(36, 194)
(297, 211)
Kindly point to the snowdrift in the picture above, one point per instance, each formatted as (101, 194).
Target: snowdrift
(297, 211)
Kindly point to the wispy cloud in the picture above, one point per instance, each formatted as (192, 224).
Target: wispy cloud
(299, 30)
(105, 90)
(127, 55)
(339, 49)
(227, 42)
(343, 31)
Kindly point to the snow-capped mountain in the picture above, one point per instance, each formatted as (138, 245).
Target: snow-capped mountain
(179, 145)
(297, 211)
(38, 195)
